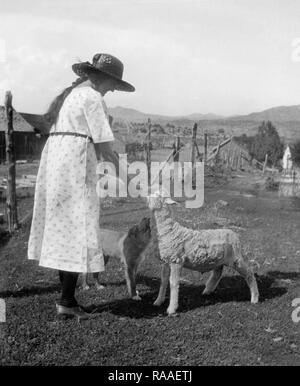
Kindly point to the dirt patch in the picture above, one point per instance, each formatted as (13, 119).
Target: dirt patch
(222, 329)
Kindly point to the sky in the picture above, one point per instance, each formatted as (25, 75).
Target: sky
(225, 57)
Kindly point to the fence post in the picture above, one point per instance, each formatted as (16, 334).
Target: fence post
(233, 158)
(205, 147)
(241, 160)
(265, 163)
(11, 196)
(176, 150)
(228, 155)
(194, 135)
(149, 152)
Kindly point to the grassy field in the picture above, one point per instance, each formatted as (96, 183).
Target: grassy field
(222, 329)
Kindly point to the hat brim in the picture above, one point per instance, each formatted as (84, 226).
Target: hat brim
(86, 68)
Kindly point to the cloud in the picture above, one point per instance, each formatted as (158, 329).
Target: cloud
(33, 75)
(181, 56)
(40, 67)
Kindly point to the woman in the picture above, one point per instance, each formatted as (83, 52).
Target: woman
(64, 232)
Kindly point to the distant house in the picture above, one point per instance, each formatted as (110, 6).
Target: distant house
(30, 133)
(28, 144)
(287, 160)
(289, 184)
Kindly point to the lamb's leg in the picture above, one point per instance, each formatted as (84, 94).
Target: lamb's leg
(213, 280)
(165, 273)
(84, 284)
(244, 270)
(174, 288)
(130, 276)
(135, 268)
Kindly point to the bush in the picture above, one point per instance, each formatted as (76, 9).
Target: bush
(271, 184)
(266, 141)
(296, 153)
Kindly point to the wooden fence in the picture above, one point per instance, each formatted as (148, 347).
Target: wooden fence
(289, 183)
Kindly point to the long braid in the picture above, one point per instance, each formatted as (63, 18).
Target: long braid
(54, 109)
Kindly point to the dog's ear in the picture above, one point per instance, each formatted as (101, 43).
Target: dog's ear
(133, 231)
(145, 224)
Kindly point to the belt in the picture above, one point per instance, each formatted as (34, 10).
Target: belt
(73, 134)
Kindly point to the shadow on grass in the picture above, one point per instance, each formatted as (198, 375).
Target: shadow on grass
(230, 289)
(278, 275)
(4, 237)
(30, 291)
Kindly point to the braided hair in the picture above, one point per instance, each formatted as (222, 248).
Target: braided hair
(54, 109)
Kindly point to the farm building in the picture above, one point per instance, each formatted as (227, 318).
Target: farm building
(290, 159)
(287, 162)
(28, 145)
(30, 134)
(290, 177)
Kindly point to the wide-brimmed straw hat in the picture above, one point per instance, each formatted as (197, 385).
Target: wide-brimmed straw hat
(107, 64)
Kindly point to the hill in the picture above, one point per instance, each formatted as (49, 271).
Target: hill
(274, 114)
(133, 115)
(285, 118)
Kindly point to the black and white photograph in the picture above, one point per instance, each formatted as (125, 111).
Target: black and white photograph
(149, 185)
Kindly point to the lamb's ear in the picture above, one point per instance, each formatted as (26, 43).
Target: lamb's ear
(145, 224)
(133, 231)
(169, 201)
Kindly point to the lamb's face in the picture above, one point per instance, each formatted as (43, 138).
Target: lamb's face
(155, 202)
(158, 200)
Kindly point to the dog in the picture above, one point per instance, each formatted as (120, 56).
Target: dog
(129, 248)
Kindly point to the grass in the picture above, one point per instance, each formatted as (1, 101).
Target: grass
(222, 329)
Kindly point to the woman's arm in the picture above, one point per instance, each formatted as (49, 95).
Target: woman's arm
(105, 152)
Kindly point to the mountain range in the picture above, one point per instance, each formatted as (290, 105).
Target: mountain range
(136, 116)
(285, 118)
(274, 114)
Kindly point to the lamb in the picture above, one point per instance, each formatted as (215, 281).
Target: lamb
(198, 250)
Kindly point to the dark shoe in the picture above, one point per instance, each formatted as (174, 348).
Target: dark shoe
(71, 311)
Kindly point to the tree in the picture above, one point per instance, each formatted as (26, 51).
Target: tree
(267, 141)
(296, 153)
(246, 141)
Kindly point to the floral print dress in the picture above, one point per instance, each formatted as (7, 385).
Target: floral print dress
(64, 233)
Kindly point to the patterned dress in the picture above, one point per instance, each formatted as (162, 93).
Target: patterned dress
(65, 226)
